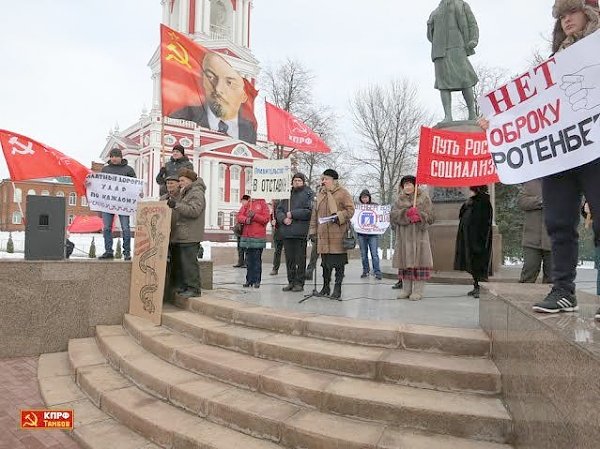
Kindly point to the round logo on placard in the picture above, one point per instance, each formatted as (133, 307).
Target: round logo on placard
(367, 220)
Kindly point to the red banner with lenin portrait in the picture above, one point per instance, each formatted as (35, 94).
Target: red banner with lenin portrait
(201, 86)
(454, 159)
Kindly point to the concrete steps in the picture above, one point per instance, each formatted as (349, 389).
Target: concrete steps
(407, 367)
(225, 375)
(460, 342)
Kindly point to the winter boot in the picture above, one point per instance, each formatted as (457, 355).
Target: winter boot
(406, 289)
(475, 292)
(417, 291)
(337, 288)
(326, 290)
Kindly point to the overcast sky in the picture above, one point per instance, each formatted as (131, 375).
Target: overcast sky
(71, 69)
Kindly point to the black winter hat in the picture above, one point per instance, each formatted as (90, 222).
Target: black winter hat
(300, 176)
(246, 197)
(179, 148)
(408, 178)
(365, 192)
(332, 173)
(115, 152)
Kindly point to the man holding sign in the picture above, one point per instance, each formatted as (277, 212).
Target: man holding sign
(116, 166)
(543, 124)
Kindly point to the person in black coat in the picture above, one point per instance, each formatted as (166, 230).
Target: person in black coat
(293, 218)
(474, 237)
(177, 162)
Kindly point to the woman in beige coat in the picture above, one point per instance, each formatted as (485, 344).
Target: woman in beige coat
(412, 255)
(332, 201)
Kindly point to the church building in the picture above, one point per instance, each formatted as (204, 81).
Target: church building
(225, 164)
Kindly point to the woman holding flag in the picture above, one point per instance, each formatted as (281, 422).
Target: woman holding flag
(412, 214)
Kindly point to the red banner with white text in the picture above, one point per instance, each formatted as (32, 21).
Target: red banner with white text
(454, 159)
(285, 129)
(28, 159)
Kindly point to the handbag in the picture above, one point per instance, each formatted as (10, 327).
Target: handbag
(349, 240)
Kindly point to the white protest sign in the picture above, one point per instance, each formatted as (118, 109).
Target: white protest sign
(113, 193)
(543, 122)
(371, 219)
(271, 179)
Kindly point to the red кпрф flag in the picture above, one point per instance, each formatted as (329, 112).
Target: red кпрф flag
(285, 129)
(454, 159)
(199, 85)
(28, 159)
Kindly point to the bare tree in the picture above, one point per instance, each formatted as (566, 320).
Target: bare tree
(289, 87)
(388, 120)
(490, 77)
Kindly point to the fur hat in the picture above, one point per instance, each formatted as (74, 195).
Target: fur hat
(332, 173)
(189, 174)
(408, 178)
(589, 8)
(563, 6)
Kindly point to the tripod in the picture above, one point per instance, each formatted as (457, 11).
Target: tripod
(315, 292)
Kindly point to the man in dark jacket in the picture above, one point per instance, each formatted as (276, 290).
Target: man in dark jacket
(293, 218)
(277, 239)
(116, 166)
(190, 210)
(173, 277)
(369, 242)
(178, 161)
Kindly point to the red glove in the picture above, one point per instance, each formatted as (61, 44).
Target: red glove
(413, 215)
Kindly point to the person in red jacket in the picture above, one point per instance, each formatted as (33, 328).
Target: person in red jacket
(255, 215)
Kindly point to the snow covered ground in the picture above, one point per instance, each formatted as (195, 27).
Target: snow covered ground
(82, 245)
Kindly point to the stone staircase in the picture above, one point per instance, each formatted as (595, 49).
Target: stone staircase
(221, 374)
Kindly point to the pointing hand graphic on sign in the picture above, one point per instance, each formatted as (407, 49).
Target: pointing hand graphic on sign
(583, 88)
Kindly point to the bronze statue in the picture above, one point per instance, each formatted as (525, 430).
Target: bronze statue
(454, 34)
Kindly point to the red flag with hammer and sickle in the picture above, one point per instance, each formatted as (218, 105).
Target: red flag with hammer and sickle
(29, 159)
(200, 85)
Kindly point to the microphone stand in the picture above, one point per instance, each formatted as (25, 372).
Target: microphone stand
(315, 292)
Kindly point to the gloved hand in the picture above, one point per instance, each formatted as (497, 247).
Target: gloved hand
(251, 213)
(413, 215)
(171, 203)
(336, 220)
(248, 220)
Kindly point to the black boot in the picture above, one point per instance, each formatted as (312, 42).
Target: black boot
(475, 292)
(337, 288)
(326, 290)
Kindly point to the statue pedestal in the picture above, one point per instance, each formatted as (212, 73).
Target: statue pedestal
(446, 207)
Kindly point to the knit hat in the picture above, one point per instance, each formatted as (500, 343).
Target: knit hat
(365, 192)
(331, 173)
(246, 198)
(115, 152)
(299, 176)
(187, 173)
(179, 148)
(408, 178)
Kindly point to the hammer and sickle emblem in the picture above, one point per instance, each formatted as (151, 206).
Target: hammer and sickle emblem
(179, 54)
(19, 148)
(30, 420)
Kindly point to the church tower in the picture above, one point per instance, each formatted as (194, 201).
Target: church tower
(222, 26)
(225, 164)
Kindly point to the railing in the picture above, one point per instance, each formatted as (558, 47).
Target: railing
(220, 32)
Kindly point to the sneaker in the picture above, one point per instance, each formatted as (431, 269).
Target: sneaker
(597, 316)
(364, 275)
(557, 301)
(106, 256)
